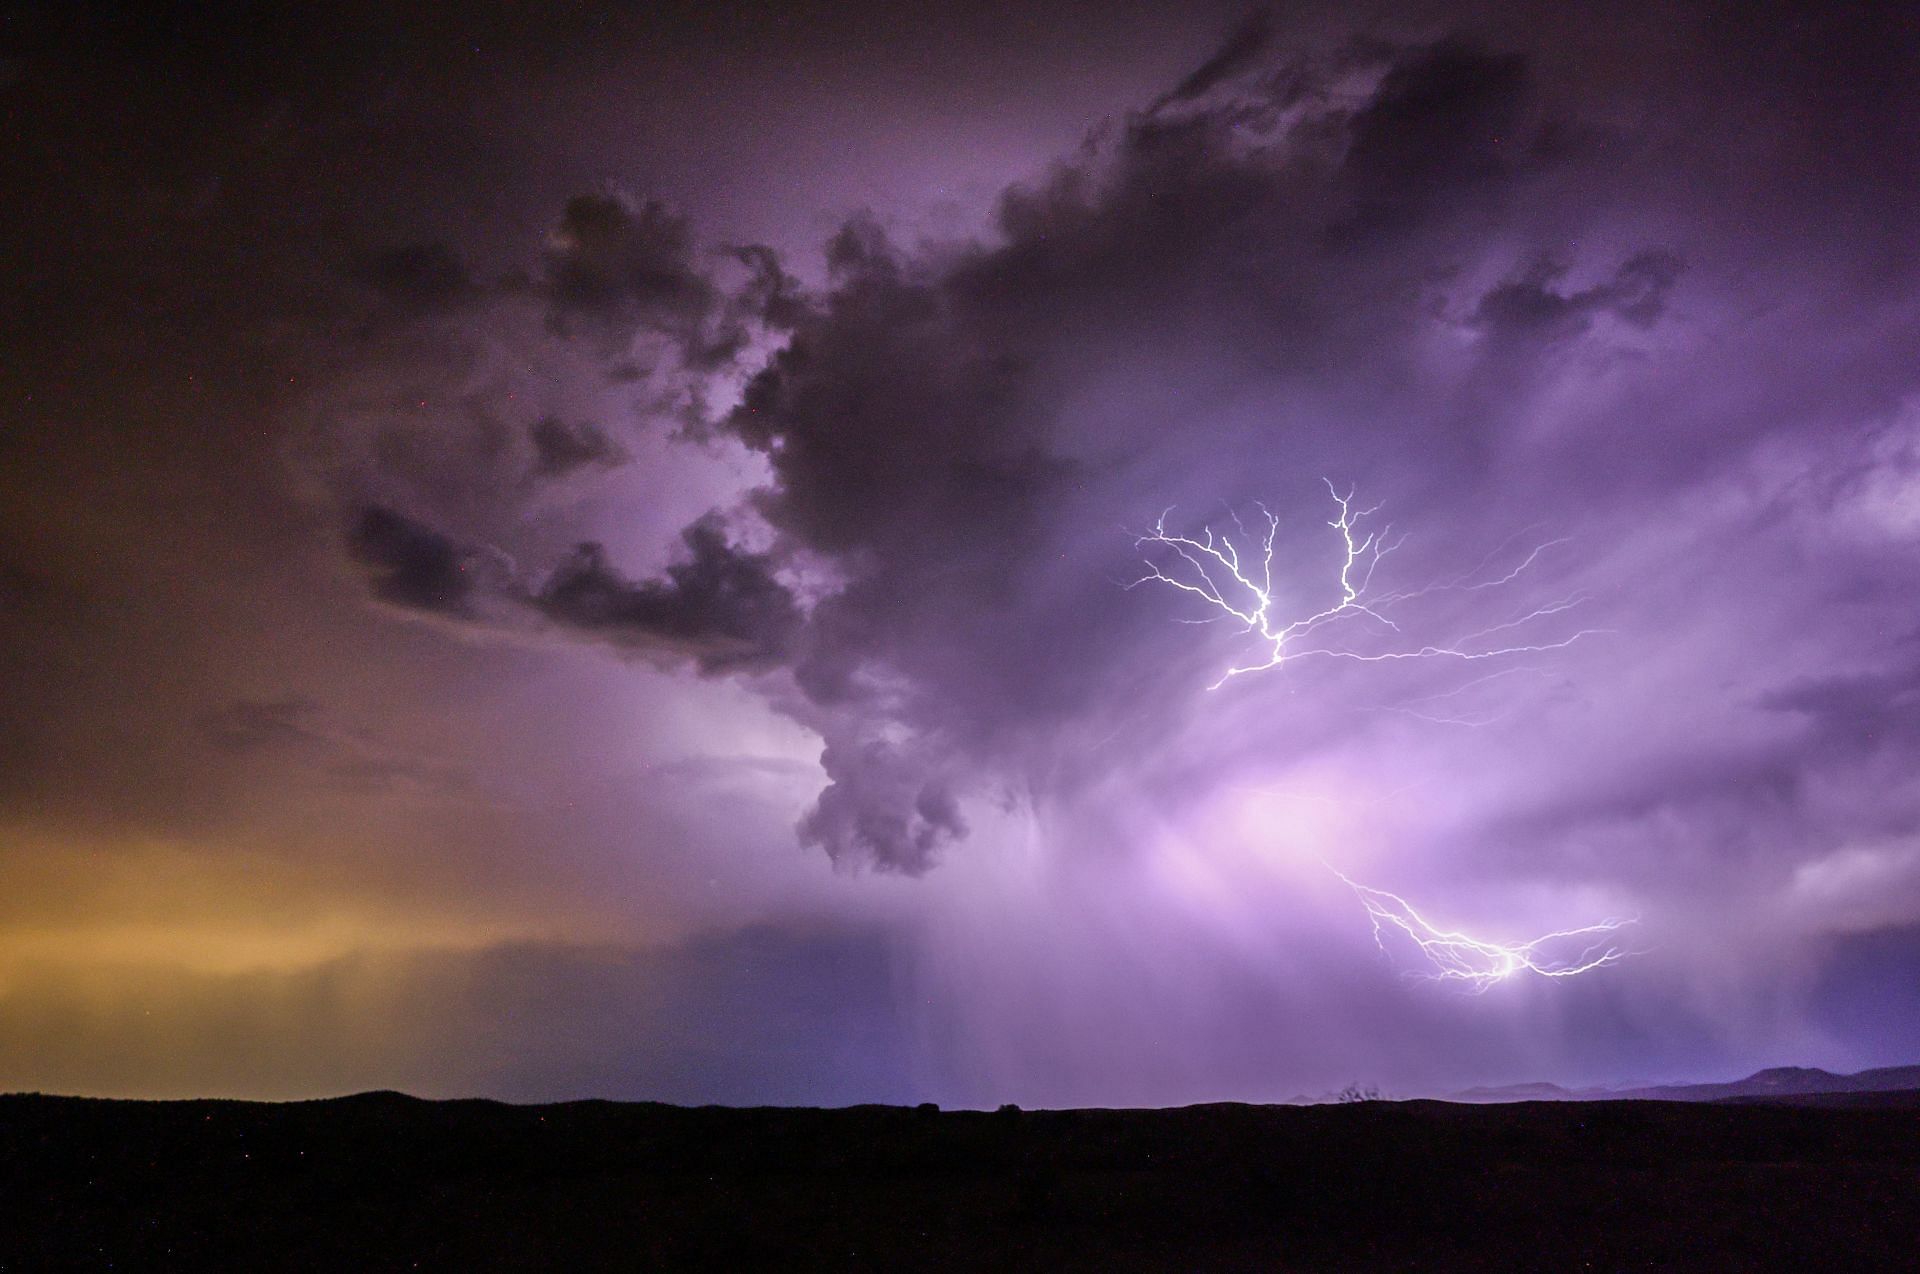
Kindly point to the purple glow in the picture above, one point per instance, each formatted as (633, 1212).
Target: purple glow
(606, 565)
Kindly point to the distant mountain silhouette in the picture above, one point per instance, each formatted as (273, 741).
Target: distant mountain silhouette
(1774, 1082)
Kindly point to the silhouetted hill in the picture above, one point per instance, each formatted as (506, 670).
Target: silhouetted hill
(381, 1181)
(1777, 1082)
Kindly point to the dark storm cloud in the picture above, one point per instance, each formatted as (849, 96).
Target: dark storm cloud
(422, 437)
(1403, 257)
(630, 273)
(1444, 122)
(1387, 239)
(560, 448)
(882, 809)
(411, 565)
(1247, 42)
(719, 606)
(1530, 306)
(770, 294)
(904, 447)
(627, 267)
(912, 421)
(460, 401)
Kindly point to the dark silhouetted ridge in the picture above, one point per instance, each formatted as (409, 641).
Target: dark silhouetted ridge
(383, 1181)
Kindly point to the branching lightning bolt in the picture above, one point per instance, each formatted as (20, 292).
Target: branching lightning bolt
(1235, 577)
(1479, 963)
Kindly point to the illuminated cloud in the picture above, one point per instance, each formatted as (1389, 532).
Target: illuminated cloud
(512, 590)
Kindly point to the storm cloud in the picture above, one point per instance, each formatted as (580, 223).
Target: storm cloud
(410, 564)
(626, 266)
(571, 487)
(1368, 259)
(560, 448)
(929, 430)
(720, 607)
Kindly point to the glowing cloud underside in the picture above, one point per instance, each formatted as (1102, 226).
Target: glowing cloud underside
(1460, 957)
(1234, 576)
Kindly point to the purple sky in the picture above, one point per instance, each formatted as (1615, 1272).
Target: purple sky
(591, 558)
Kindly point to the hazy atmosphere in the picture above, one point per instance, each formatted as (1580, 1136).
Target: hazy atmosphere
(1093, 554)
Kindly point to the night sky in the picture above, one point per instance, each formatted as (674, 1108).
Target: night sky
(573, 550)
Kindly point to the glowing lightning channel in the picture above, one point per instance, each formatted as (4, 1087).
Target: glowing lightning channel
(1478, 963)
(1236, 579)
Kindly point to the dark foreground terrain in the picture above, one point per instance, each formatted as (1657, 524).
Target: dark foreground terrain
(382, 1182)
